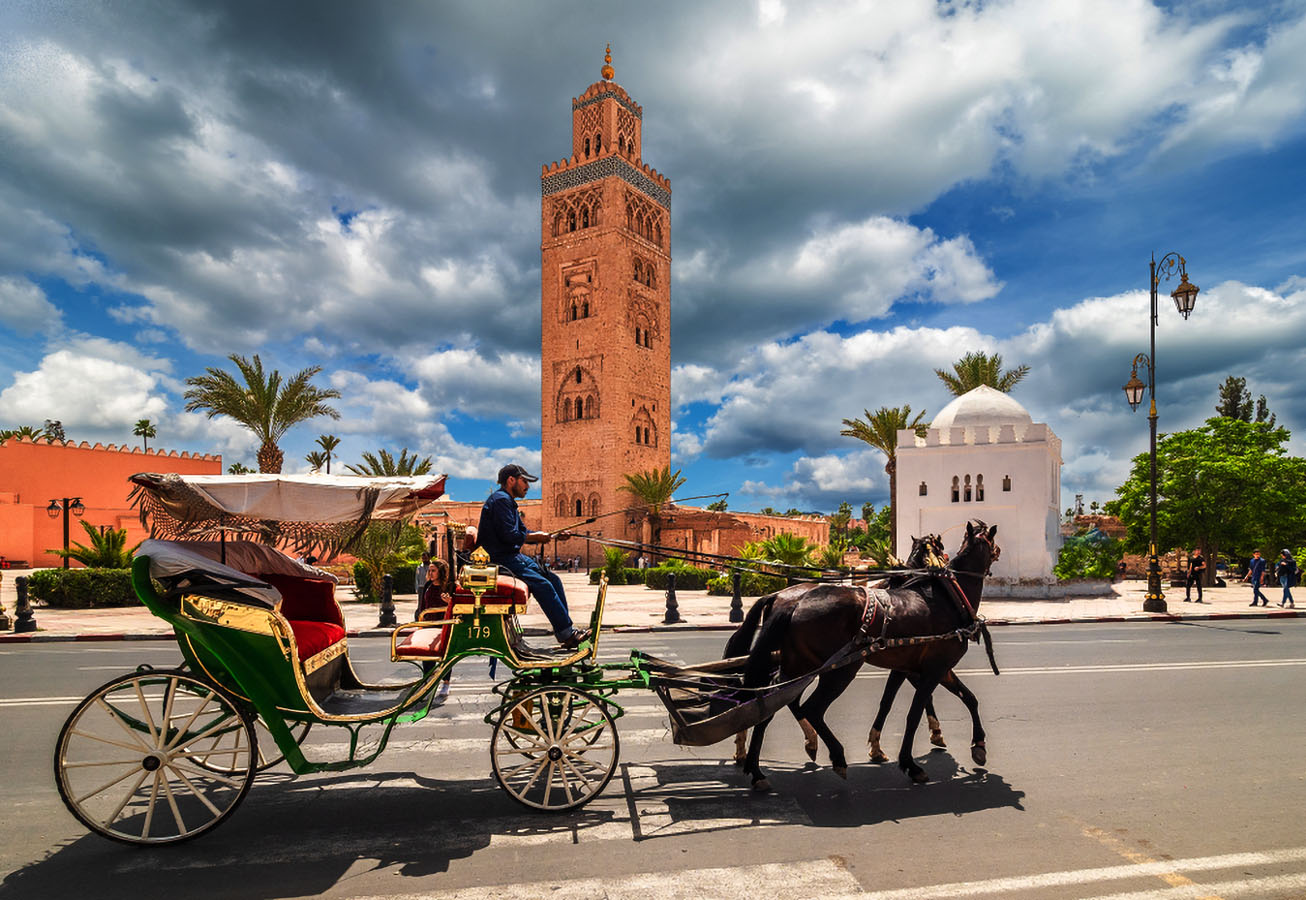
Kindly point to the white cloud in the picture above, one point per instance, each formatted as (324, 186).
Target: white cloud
(25, 309)
(89, 393)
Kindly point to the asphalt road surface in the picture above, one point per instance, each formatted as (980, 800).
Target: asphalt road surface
(1133, 760)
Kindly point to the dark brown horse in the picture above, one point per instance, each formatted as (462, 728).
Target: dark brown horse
(809, 624)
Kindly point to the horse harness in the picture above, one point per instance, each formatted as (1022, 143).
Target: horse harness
(877, 609)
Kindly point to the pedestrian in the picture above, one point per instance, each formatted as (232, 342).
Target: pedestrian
(1196, 569)
(420, 580)
(1286, 569)
(1256, 575)
(1120, 570)
(502, 533)
(433, 599)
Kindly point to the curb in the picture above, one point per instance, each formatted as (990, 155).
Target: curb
(41, 637)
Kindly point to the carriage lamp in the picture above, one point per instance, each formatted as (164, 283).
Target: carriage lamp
(1185, 299)
(65, 505)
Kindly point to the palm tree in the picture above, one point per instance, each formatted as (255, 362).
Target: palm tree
(262, 404)
(317, 459)
(239, 469)
(385, 464)
(788, 549)
(108, 549)
(22, 431)
(880, 430)
(328, 443)
(976, 368)
(144, 430)
(653, 489)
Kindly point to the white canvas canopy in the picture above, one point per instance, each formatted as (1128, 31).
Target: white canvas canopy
(323, 512)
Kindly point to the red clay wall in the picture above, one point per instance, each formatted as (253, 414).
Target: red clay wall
(34, 473)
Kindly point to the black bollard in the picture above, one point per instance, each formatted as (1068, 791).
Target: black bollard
(5, 622)
(25, 621)
(736, 598)
(388, 619)
(673, 608)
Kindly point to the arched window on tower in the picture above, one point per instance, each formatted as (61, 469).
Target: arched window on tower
(979, 488)
(637, 434)
(598, 144)
(1006, 482)
(646, 436)
(585, 310)
(639, 270)
(594, 504)
(584, 217)
(589, 406)
(956, 490)
(966, 489)
(571, 221)
(580, 414)
(657, 234)
(579, 507)
(630, 218)
(639, 337)
(587, 148)
(578, 374)
(562, 507)
(621, 143)
(573, 312)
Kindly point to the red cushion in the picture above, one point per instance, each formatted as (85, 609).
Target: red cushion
(311, 638)
(305, 599)
(426, 642)
(506, 590)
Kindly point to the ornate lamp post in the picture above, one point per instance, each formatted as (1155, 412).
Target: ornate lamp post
(1185, 298)
(73, 504)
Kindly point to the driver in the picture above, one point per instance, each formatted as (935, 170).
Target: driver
(502, 533)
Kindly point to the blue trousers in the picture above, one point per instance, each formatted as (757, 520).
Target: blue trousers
(1286, 582)
(547, 590)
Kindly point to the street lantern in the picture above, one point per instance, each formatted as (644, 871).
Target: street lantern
(53, 509)
(65, 505)
(1185, 298)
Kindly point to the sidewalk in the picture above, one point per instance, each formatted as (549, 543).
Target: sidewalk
(636, 608)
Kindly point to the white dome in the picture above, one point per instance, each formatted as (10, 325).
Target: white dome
(982, 406)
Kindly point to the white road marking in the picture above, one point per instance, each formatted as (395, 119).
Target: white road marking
(1006, 886)
(1270, 886)
(38, 701)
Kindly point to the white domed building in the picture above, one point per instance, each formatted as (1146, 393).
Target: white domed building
(984, 457)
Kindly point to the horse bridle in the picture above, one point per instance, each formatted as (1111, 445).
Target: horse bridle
(995, 552)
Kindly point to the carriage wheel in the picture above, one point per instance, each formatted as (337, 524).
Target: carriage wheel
(137, 761)
(555, 749)
(269, 753)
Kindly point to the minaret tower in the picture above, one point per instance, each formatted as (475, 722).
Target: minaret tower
(605, 272)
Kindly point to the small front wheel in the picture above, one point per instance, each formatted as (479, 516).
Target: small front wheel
(155, 758)
(555, 748)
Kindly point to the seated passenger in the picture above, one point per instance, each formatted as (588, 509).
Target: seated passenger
(503, 533)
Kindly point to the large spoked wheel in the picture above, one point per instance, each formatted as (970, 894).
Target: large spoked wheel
(269, 753)
(154, 758)
(555, 749)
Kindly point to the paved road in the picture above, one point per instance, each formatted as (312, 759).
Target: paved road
(1138, 760)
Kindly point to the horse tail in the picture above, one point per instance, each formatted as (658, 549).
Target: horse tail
(761, 659)
(742, 639)
(988, 647)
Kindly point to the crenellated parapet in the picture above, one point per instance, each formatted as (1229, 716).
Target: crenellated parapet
(971, 435)
(600, 90)
(115, 448)
(572, 173)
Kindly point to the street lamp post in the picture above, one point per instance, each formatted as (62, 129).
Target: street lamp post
(1185, 298)
(73, 504)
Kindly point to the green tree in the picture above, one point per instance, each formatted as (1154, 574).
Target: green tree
(328, 443)
(263, 404)
(382, 546)
(316, 459)
(107, 550)
(976, 368)
(788, 549)
(53, 431)
(767, 511)
(22, 431)
(718, 505)
(1235, 402)
(1090, 555)
(239, 469)
(880, 430)
(383, 464)
(868, 510)
(839, 522)
(144, 430)
(1228, 486)
(654, 490)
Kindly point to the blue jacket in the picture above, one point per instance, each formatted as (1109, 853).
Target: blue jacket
(1256, 569)
(501, 530)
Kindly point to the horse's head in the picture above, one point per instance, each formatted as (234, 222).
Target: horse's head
(925, 551)
(978, 551)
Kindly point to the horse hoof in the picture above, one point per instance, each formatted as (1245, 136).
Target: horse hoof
(842, 772)
(811, 752)
(979, 754)
(877, 755)
(761, 786)
(738, 762)
(937, 739)
(919, 777)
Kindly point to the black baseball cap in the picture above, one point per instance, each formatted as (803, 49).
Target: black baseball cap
(512, 470)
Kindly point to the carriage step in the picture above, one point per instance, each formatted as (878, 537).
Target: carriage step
(362, 702)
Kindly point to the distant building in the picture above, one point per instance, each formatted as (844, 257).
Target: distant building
(32, 473)
(984, 457)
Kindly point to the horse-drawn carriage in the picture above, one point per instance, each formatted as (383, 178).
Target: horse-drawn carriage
(160, 756)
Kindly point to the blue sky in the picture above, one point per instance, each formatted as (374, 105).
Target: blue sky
(862, 192)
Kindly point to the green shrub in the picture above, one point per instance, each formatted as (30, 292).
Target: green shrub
(623, 576)
(362, 581)
(688, 578)
(82, 588)
(750, 585)
(403, 577)
(1091, 555)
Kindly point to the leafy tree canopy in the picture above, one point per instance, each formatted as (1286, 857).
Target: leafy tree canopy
(718, 505)
(239, 469)
(107, 550)
(1227, 486)
(1236, 403)
(384, 464)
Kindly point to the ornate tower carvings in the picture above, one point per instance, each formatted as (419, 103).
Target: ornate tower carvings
(605, 225)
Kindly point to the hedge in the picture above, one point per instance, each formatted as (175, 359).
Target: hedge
(403, 581)
(82, 588)
(750, 585)
(626, 576)
(688, 578)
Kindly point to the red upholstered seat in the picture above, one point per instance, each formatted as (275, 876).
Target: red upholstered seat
(423, 642)
(506, 590)
(311, 638)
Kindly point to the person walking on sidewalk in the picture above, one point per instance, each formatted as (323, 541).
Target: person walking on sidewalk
(1196, 569)
(1256, 575)
(1287, 572)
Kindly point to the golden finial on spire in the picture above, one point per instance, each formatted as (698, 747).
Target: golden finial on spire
(607, 71)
